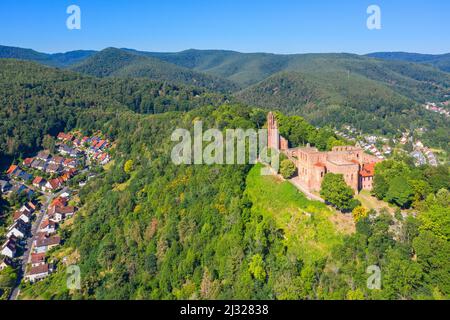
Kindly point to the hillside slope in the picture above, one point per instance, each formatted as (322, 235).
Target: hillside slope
(36, 100)
(329, 99)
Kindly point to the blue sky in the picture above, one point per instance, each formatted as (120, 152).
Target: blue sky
(283, 26)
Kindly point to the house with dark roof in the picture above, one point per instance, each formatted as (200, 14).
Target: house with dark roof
(9, 248)
(44, 243)
(18, 229)
(5, 186)
(53, 168)
(43, 155)
(39, 164)
(5, 263)
(24, 216)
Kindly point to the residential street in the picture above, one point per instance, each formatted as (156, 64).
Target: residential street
(28, 249)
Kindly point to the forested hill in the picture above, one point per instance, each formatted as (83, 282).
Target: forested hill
(415, 81)
(440, 61)
(374, 95)
(113, 62)
(153, 230)
(36, 100)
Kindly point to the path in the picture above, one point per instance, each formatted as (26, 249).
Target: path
(308, 194)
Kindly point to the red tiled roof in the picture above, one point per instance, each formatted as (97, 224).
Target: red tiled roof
(38, 180)
(28, 161)
(31, 205)
(37, 257)
(65, 136)
(46, 223)
(18, 214)
(319, 164)
(58, 159)
(368, 170)
(68, 161)
(11, 169)
(55, 183)
(59, 202)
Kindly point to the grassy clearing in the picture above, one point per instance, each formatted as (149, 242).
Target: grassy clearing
(370, 202)
(309, 231)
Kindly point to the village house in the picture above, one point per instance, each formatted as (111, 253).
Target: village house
(48, 226)
(53, 168)
(5, 263)
(37, 259)
(85, 141)
(29, 206)
(5, 186)
(20, 188)
(27, 162)
(9, 248)
(68, 151)
(352, 162)
(67, 137)
(25, 176)
(59, 202)
(45, 242)
(70, 163)
(77, 143)
(12, 169)
(37, 273)
(39, 183)
(18, 229)
(43, 155)
(53, 185)
(23, 216)
(15, 172)
(39, 165)
(57, 160)
(59, 213)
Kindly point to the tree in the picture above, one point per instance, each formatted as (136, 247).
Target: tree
(287, 168)
(128, 167)
(335, 191)
(380, 186)
(421, 189)
(400, 276)
(400, 192)
(49, 143)
(359, 213)
(256, 268)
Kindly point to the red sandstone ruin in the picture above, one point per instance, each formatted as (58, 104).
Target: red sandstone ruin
(353, 163)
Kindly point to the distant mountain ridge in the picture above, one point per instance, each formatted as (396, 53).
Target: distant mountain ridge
(440, 61)
(112, 62)
(61, 60)
(373, 93)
